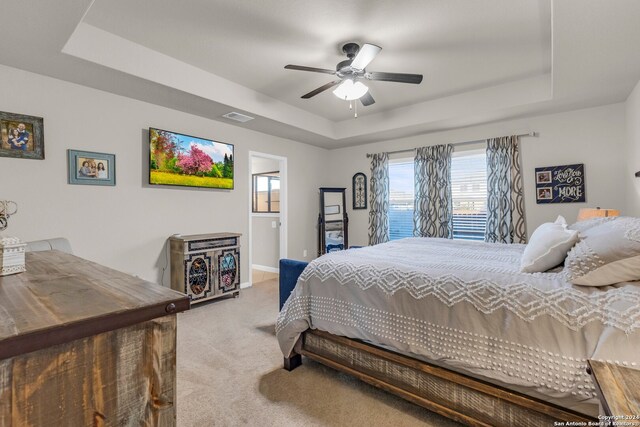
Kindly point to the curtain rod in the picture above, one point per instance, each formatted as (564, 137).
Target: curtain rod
(454, 144)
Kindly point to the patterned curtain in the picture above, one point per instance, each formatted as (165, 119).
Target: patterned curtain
(433, 211)
(379, 199)
(505, 196)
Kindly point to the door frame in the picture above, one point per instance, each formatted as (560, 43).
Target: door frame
(283, 206)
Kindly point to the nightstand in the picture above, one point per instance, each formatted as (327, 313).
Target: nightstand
(618, 389)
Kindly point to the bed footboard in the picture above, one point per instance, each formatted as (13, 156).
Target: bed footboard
(453, 395)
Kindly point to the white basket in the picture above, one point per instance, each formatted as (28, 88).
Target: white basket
(12, 252)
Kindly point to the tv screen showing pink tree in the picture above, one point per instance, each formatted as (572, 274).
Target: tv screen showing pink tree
(178, 159)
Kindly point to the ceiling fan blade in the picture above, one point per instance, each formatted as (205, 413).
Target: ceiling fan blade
(367, 99)
(303, 68)
(365, 55)
(321, 89)
(395, 77)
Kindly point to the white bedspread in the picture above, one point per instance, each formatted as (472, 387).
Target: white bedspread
(466, 306)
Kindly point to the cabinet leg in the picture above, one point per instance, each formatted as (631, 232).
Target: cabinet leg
(292, 362)
(236, 294)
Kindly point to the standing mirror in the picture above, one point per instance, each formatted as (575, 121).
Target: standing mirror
(333, 223)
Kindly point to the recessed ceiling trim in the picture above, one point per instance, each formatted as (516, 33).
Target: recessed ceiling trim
(528, 91)
(101, 47)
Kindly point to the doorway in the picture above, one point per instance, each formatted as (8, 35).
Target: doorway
(267, 215)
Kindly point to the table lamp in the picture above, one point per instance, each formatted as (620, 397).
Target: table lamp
(588, 213)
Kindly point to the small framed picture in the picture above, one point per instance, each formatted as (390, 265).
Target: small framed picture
(545, 193)
(543, 177)
(21, 136)
(88, 168)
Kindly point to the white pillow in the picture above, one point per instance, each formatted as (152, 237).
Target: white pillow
(608, 253)
(548, 246)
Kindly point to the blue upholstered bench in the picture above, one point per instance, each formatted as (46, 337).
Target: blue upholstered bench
(290, 270)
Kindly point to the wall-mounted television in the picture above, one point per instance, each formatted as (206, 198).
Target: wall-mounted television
(178, 159)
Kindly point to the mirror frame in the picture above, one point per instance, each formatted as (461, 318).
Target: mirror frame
(322, 247)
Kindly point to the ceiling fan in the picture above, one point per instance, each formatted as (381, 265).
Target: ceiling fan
(352, 70)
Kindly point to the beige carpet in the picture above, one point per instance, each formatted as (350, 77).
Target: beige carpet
(230, 374)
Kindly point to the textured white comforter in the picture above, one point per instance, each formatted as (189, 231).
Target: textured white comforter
(466, 306)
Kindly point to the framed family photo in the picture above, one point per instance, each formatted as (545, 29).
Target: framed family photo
(21, 136)
(543, 177)
(88, 168)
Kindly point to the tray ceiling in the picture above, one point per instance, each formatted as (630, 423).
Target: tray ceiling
(482, 61)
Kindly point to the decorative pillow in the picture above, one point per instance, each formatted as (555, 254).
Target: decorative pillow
(608, 253)
(582, 226)
(548, 246)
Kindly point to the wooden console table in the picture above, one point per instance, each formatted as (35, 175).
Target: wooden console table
(618, 389)
(84, 345)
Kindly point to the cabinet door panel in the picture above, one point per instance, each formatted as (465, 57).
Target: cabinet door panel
(228, 274)
(197, 280)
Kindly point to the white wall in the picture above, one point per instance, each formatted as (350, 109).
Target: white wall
(126, 226)
(632, 151)
(263, 164)
(266, 238)
(595, 137)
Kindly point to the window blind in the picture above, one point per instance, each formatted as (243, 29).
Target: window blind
(401, 198)
(469, 194)
(468, 190)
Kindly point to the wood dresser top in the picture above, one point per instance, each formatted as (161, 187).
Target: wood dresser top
(618, 388)
(61, 298)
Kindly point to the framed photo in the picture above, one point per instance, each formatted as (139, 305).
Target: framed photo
(543, 177)
(21, 136)
(359, 188)
(88, 168)
(545, 193)
(560, 184)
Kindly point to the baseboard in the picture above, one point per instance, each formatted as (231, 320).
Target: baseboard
(265, 268)
(245, 285)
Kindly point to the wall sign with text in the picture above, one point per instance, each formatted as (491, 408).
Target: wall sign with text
(560, 184)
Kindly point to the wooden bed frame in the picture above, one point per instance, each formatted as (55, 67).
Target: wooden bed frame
(459, 397)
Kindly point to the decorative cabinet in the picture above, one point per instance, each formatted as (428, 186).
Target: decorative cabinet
(206, 266)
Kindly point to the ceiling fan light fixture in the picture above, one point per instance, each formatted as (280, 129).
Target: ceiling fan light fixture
(350, 90)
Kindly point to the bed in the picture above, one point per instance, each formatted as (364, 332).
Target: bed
(454, 326)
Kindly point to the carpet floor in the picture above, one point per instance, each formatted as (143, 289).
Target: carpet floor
(230, 374)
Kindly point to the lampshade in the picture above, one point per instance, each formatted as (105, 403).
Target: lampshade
(350, 90)
(588, 213)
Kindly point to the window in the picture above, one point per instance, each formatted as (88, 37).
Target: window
(468, 190)
(469, 194)
(266, 192)
(401, 197)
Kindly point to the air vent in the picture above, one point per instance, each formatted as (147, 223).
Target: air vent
(237, 117)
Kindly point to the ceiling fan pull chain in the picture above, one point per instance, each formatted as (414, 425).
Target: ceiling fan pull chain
(355, 116)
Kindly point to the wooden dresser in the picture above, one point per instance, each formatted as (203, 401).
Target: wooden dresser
(618, 388)
(84, 345)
